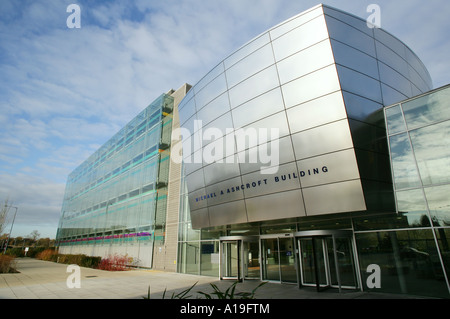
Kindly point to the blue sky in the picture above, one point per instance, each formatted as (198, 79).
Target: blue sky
(64, 92)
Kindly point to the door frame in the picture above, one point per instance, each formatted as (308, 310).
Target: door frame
(295, 254)
(240, 240)
(323, 234)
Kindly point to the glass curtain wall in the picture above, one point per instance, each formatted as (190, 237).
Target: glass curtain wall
(111, 199)
(416, 255)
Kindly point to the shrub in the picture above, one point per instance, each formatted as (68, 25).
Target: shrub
(7, 264)
(115, 263)
(20, 252)
(15, 252)
(80, 260)
(90, 262)
(47, 255)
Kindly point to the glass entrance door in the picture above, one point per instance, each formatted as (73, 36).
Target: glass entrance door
(278, 255)
(327, 261)
(231, 260)
(251, 264)
(313, 262)
(343, 262)
(239, 258)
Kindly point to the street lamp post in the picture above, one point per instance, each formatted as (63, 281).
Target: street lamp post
(10, 231)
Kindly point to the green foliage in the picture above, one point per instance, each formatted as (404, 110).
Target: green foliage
(15, 252)
(229, 293)
(20, 252)
(80, 259)
(181, 295)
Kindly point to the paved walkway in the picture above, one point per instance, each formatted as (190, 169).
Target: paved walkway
(47, 280)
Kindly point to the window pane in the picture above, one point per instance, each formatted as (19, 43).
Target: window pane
(404, 167)
(412, 210)
(354, 59)
(443, 235)
(189, 255)
(427, 109)
(394, 79)
(437, 198)
(395, 120)
(359, 84)
(432, 150)
(408, 260)
(209, 259)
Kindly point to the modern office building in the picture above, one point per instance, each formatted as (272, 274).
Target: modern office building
(313, 155)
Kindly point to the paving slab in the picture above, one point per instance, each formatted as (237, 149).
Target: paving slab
(39, 279)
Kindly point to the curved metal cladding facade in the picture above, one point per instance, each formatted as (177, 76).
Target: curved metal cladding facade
(311, 89)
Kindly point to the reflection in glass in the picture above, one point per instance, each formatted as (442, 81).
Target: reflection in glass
(351, 36)
(394, 79)
(438, 204)
(354, 59)
(313, 262)
(364, 110)
(345, 261)
(349, 19)
(389, 57)
(391, 96)
(390, 41)
(427, 109)
(432, 150)
(359, 84)
(395, 120)
(403, 165)
(443, 235)
(408, 260)
(411, 205)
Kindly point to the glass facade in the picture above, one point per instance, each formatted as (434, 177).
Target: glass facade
(418, 133)
(115, 202)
